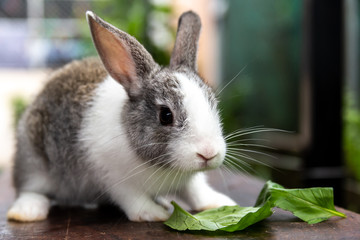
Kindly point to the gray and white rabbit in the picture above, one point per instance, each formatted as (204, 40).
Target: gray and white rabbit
(121, 130)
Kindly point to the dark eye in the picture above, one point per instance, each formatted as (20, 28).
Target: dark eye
(166, 116)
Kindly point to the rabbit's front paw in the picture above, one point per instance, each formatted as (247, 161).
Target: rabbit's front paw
(215, 201)
(149, 212)
(29, 207)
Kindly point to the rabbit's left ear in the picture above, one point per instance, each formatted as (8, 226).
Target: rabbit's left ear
(186, 43)
(125, 59)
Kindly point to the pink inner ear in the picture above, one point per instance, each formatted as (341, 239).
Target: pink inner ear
(114, 54)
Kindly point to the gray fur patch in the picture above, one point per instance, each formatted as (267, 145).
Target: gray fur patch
(148, 137)
(50, 126)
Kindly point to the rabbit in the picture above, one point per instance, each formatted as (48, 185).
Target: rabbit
(121, 129)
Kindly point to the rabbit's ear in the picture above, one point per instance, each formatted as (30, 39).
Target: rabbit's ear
(186, 43)
(125, 59)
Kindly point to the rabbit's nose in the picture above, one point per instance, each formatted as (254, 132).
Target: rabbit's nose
(206, 150)
(207, 155)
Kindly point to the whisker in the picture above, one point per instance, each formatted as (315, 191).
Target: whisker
(233, 79)
(168, 162)
(146, 191)
(251, 151)
(234, 165)
(243, 155)
(122, 180)
(222, 178)
(244, 130)
(231, 157)
(250, 145)
(182, 181)
(167, 172)
(226, 169)
(172, 182)
(259, 130)
(250, 140)
(147, 162)
(164, 180)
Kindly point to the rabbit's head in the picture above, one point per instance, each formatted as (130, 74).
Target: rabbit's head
(171, 116)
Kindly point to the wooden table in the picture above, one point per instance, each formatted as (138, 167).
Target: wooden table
(110, 223)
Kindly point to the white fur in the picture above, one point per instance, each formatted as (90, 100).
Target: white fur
(130, 182)
(119, 169)
(29, 207)
(205, 136)
(200, 196)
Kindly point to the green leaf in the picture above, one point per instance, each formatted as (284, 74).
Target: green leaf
(265, 193)
(249, 216)
(182, 220)
(227, 218)
(312, 205)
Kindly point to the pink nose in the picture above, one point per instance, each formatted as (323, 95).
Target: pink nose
(206, 157)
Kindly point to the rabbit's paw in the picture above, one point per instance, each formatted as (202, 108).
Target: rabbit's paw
(29, 207)
(216, 200)
(148, 212)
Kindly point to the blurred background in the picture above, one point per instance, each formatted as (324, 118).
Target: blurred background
(290, 65)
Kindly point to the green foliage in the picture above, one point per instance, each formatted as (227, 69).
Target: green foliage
(266, 37)
(312, 205)
(265, 193)
(352, 136)
(18, 105)
(233, 101)
(227, 218)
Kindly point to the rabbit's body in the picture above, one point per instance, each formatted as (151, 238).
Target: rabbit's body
(49, 158)
(89, 139)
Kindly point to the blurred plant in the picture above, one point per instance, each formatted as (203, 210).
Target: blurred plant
(352, 136)
(232, 102)
(147, 21)
(18, 106)
(265, 37)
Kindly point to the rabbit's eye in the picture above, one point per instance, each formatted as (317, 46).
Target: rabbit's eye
(166, 116)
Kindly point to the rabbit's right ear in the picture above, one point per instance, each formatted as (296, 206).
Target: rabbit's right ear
(186, 43)
(125, 59)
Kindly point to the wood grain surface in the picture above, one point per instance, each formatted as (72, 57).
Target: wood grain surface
(108, 222)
